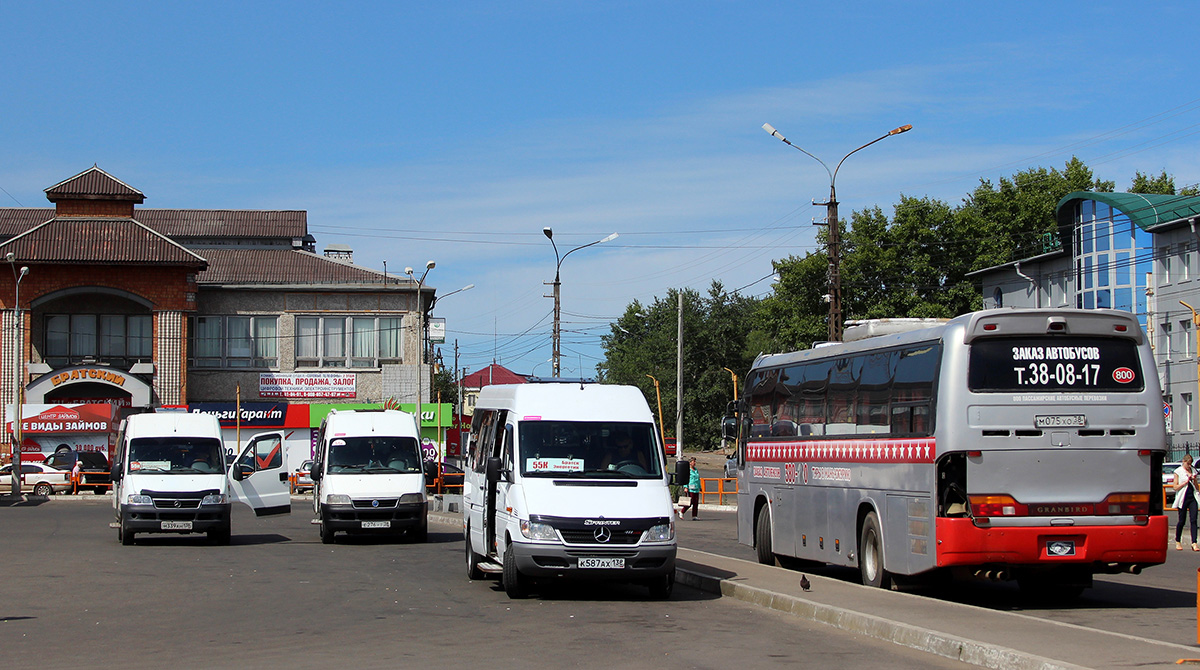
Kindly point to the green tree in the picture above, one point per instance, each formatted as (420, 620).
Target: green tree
(643, 342)
(1163, 184)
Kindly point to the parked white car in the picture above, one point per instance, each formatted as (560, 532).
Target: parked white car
(36, 478)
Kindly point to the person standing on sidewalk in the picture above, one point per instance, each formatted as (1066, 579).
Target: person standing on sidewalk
(693, 490)
(1187, 500)
(76, 475)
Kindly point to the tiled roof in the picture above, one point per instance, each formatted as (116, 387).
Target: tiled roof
(16, 220)
(226, 222)
(287, 266)
(93, 183)
(70, 240)
(492, 374)
(191, 223)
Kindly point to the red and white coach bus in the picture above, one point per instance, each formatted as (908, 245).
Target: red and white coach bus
(1015, 444)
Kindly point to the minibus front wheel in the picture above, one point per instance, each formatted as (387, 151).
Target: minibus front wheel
(515, 584)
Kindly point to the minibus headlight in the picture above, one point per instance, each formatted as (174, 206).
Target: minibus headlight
(663, 532)
(214, 499)
(538, 531)
(337, 499)
(139, 499)
(409, 498)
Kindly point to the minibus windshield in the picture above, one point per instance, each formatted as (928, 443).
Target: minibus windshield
(611, 449)
(374, 455)
(176, 455)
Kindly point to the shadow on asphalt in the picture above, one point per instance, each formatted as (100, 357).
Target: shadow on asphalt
(599, 591)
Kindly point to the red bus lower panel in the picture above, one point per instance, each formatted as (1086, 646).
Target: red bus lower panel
(961, 542)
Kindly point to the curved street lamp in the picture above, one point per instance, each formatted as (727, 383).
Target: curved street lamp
(18, 388)
(429, 265)
(556, 347)
(831, 220)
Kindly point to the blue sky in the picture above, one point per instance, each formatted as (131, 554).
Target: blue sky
(457, 131)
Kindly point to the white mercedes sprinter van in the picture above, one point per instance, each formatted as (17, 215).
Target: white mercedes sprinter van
(368, 475)
(169, 476)
(567, 480)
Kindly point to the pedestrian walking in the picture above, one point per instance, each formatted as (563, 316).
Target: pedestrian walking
(1187, 500)
(692, 489)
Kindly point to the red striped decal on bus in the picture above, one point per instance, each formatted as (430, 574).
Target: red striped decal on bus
(909, 450)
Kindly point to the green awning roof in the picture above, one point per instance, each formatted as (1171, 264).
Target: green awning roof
(1147, 211)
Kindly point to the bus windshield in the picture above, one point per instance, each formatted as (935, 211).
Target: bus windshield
(588, 449)
(176, 455)
(1054, 363)
(374, 455)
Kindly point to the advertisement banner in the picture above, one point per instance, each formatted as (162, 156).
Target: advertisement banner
(64, 418)
(254, 414)
(307, 385)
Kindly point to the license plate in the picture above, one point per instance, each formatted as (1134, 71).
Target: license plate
(377, 524)
(1060, 548)
(1060, 421)
(602, 563)
(176, 525)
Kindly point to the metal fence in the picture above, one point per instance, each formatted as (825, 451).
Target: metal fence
(1176, 451)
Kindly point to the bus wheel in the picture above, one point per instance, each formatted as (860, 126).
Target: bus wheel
(514, 581)
(870, 554)
(762, 537)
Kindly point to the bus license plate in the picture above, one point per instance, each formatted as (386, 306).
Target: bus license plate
(176, 525)
(602, 563)
(1060, 421)
(377, 524)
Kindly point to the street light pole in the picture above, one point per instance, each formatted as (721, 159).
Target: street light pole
(734, 375)
(834, 239)
(420, 337)
(661, 431)
(556, 339)
(18, 352)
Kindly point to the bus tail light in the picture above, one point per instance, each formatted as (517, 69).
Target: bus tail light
(1125, 504)
(996, 505)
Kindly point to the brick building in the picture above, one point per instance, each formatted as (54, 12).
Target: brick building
(140, 307)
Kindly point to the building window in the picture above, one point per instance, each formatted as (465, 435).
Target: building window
(1185, 400)
(1168, 339)
(347, 341)
(234, 342)
(116, 339)
(1185, 337)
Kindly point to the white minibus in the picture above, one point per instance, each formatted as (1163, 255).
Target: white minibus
(169, 476)
(368, 475)
(566, 479)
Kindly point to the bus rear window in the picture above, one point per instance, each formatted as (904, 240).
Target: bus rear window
(1054, 363)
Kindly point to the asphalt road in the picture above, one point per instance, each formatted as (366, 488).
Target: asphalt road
(1159, 604)
(71, 596)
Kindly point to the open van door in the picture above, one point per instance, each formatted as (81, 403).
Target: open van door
(259, 476)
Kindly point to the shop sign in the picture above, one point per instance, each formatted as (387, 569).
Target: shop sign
(307, 385)
(254, 414)
(65, 418)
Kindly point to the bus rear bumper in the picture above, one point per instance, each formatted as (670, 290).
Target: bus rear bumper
(961, 543)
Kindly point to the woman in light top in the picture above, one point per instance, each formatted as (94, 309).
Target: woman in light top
(1187, 500)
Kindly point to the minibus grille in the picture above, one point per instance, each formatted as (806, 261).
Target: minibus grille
(588, 536)
(176, 503)
(375, 503)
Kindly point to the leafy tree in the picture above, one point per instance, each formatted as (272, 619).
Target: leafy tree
(1163, 184)
(643, 342)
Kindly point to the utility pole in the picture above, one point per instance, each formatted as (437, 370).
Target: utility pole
(834, 237)
(679, 382)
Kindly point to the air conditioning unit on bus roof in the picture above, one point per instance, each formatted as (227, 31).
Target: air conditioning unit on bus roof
(864, 328)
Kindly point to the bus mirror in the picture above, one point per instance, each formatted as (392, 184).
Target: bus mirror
(314, 473)
(729, 427)
(683, 472)
(493, 470)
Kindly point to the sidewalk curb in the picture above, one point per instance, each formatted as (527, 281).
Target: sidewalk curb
(934, 642)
